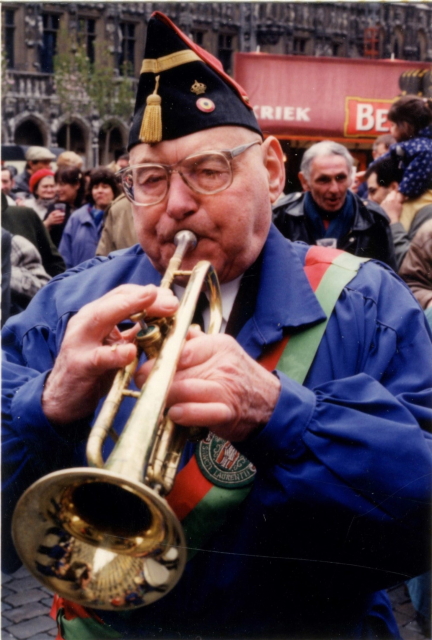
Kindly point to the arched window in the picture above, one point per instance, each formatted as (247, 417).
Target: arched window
(29, 133)
(71, 137)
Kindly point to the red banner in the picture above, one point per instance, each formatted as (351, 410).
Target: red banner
(301, 96)
(366, 117)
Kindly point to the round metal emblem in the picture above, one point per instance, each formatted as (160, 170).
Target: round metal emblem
(222, 464)
(205, 104)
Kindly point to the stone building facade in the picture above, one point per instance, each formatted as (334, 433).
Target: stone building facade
(31, 35)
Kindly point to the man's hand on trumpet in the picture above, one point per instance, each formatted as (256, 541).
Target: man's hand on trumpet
(93, 349)
(217, 385)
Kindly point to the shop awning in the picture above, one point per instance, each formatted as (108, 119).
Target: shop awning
(318, 98)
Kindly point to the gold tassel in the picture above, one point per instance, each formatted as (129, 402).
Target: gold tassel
(151, 127)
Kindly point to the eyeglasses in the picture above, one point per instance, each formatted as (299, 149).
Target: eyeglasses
(209, 173)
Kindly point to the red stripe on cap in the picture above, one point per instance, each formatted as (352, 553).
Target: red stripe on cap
(207, 57)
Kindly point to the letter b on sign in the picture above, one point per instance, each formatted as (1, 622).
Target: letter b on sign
(366, 117)
(365, 120)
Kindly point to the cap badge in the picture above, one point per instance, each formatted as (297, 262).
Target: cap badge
(205, 104)
(198, 88)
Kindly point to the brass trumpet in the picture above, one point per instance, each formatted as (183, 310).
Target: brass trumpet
(104, 536)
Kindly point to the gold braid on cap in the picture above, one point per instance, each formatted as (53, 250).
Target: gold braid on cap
(172, 60)
(151, 126)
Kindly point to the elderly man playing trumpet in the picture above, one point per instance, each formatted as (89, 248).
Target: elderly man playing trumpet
(309, 495)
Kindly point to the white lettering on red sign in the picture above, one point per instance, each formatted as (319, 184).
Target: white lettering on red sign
(369, 118)
(381, 120)
(300, 114)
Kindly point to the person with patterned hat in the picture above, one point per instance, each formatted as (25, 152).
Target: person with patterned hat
(310, 493)
(36, 158)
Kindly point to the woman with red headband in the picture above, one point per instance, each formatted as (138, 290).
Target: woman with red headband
(43, 191)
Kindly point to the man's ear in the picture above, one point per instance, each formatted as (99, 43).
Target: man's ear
(304, 183)
(394, 186)
(274, 162)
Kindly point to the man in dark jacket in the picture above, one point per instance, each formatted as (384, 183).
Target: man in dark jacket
(36, 158)
(328, 213)
(24, 221)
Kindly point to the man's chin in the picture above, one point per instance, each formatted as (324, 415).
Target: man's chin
(190, 259)
(334, 206)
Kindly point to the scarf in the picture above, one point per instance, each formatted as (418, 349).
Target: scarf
(97, 215)
(340, 221)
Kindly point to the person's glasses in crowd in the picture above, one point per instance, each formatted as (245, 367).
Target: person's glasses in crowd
(209, 173)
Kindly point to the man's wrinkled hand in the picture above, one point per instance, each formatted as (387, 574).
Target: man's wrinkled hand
(93, 349)
(217, 385)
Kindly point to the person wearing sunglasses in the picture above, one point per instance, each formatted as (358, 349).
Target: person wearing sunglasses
(309, 495)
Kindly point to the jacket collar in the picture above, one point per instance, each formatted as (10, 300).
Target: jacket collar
(285, 300)
(365, 212)
(86, 217)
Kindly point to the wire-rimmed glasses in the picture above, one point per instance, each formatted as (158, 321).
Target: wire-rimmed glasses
(209, 172)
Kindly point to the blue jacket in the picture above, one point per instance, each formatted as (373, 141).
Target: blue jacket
(80, 237)
(415, 158)
(340, 504)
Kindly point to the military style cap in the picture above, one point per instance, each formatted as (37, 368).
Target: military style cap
(183, 89)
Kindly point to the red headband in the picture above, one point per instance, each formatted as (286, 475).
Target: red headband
(37, 176)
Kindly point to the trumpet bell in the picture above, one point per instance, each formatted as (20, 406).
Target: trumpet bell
(100, 539)
(105, 537)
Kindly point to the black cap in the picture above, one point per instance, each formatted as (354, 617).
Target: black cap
(183, 89)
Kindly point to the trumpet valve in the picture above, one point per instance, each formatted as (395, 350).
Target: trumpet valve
(150, 341)
(139, 318)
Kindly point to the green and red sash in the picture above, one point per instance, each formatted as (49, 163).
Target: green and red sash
(202, 498)
(217, 478)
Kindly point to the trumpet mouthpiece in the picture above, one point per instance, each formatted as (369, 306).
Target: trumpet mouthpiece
(185, 237)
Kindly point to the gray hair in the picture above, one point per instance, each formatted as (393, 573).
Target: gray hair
(386, 139)
(325, 148)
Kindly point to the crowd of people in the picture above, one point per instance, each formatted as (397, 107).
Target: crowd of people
(71, 205)
(86, 213)
(324, 499)
(337, 207)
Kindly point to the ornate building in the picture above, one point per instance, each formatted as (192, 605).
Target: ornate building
(33, 32)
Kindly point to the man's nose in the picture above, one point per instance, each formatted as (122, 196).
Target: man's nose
(181, 200)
